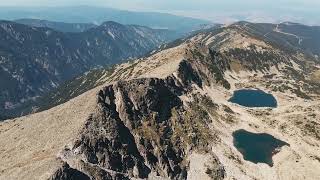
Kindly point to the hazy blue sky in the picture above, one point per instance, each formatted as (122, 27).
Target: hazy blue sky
(306, 11)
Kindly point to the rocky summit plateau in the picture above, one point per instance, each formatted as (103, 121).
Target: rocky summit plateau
(167, 115)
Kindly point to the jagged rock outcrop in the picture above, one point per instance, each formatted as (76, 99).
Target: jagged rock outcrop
(67, 173)
(135, 130)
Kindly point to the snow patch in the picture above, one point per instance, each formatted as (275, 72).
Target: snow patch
(111, 34)
(88, 43)
(48, 33)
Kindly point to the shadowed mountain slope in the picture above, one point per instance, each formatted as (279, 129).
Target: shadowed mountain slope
(35, 60)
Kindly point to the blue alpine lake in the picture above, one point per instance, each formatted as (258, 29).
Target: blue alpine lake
(257, 148)
(253, 98)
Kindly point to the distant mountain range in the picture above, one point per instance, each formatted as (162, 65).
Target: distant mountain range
(98, 15)
(59, 26)
(34, 60)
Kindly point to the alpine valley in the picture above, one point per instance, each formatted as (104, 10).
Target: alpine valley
(35, 60)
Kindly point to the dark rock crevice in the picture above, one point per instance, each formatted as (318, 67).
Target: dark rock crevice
(65, 172)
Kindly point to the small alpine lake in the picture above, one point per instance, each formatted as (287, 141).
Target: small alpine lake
(257, 147)
(253, 98)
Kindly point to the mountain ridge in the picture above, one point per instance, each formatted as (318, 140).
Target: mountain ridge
(59, 26)
(97, 15)
(36, 60)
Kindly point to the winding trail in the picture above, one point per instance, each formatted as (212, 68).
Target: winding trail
(279, 31)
